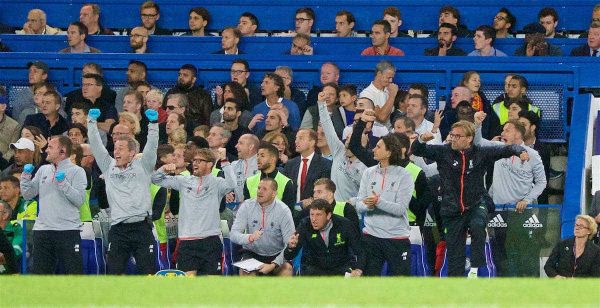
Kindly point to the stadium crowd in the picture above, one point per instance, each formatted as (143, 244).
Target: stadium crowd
(342, 181)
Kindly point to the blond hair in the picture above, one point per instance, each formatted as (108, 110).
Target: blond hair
(467, 127)
(178, 136)
(132, 121)
(591, 224)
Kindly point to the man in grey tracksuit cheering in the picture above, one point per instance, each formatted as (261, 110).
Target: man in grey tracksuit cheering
(61, 189)
(200, 249)
(384, 195)
(263, 226)
(128, 191)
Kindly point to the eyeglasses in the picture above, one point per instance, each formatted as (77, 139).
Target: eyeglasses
(454, 136)
(500, 18)
(201, 160)
(237, 72)
(302, 19)
(171, 107)
(149, 15)
(578, 226)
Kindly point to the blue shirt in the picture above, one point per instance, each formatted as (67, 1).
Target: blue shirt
(263, 108)
(495, 53)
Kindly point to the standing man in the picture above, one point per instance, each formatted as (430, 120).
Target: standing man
(150, 14)
(131, 223)
(307, 167)
(199, 102)
(246, 165)
(331, 243)
(76, 35)
(263, 226)
(231, 122)
(199, 226)
(60, 186)
(380, 35)
(465, 201)
(446, 37)
(416, 110)
(382, 92)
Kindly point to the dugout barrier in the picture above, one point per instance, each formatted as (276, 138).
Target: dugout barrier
(275, 46)
(279, 15)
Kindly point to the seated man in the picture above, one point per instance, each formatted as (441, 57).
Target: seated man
(447, 34)
(593, 43)
(535, 44)
(138, 40)
(380, 35)
(49, 120)
(331, 244)
(301, 45)
(344, 24)
(504, 22)
(230, 38)
(484, 43)
(198, 20)
(150, 14)
(76, 35)
(325, 189)
(12, 229)
(36, 24)
(263, 226)
(248, 24)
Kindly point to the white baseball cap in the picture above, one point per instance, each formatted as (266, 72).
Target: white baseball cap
(23, 144)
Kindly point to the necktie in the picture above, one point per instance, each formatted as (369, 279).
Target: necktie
(323, 236)
(303, 173)
(595, 53)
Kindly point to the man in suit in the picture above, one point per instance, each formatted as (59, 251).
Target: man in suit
(306, 168)
(230, 38)
(593, 43)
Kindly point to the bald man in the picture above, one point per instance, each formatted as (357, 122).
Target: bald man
(138, 40)
(36, 24)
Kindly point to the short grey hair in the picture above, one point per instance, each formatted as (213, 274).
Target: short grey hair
(182, 99)
(225, 133)
(6, 207)
(384, 65)
(286, 69)
(132, 144)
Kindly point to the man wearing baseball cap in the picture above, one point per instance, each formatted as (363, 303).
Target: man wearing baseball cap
(38, 73)
(24, 150)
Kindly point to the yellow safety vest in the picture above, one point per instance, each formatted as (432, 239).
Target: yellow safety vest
(161, 227)
(414, 173)
(502, 112)
(339, 208)
(280, 179)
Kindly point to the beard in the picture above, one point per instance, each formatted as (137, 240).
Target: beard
(136, 45)
(443, 43)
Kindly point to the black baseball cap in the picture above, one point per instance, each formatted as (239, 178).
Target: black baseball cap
(533, 28)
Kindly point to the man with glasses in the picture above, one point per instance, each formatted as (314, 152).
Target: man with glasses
(465, 201)
(305, 18)
(36, 24)
(138, 40)
(92, 85)
(199, 103)
(150, 14)
(504, 22)
(301, 45)
(240, 72)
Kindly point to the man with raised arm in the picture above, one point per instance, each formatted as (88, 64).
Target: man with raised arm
(128, 191)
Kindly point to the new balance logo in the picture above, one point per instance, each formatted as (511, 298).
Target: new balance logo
(533, 222)
(497, 222)
(429, 221)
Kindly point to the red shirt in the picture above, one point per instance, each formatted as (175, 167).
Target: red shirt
(162, 116)
(390, 51)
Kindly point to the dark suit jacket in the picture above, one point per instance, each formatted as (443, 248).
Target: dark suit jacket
(222, 52)
(319, 168)
(581, 51)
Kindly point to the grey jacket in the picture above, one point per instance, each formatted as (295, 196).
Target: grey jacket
(59, 203)
(199, 200)
(275, 221)
(394, 186)
(243, 168)
(127, 190)
(345, 174)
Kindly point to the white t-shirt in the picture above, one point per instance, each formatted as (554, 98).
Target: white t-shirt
(379, 98)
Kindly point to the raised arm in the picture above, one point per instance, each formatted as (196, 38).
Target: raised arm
(335, 144)
(160, 177)
(149, 157)
(101, 155)
(29, 186)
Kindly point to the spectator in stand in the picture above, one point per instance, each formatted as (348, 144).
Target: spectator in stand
(517, 86)
(330, 95)
(240, 72)
(25, 153)
(77, 133)
(273, 89)
(329, 72)
(217, 138)
(10, 227)
(331, 244)
(446, 37)
(472, 81)
(39, 90)
(36, 24)
(281, 142)
(416, 110)
(10, 193)
(92, 85)
(380, 35)
(89, 15)
(451, 15)
(595, 18)
(154, 100)
(344, 24)
(8, 258)
(347, 100)
(56, 235)
(305, 17)
(136, 71)
(230, 38)
(106, 95)
(48, 120)
(484, 43)
(38, 73)
(535, 43)
(9, 128)
(138, 40)
(277, 122)
(301, 45)
(232, 111)
(394, 17)
(178, 104)
(548, 17)
(290, 93)
(266, 238)
(231, 90)
(246, 165)
(382, 92)
(199, 101)
(150, 14)
(504, 23)
(248, 24)
(199, 19)
(577, 256)
(593, 41)
(450, 116)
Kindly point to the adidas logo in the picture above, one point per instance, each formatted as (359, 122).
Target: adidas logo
(429, 221)
(497, 222)
(533, 222)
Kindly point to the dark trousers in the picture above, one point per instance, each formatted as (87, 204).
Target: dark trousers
(205, 256)
(127, 239)
(455, 227)
(311, 270)
(395, 252)
(51, 247)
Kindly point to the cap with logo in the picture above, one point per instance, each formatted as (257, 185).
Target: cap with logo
(23, 144)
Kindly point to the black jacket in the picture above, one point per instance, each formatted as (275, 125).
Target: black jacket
(319, 167)
(581, 51)
(462, 172)
(562, 260)
(9, 254)
(453, 51)
(107, 95)
(344, 249)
